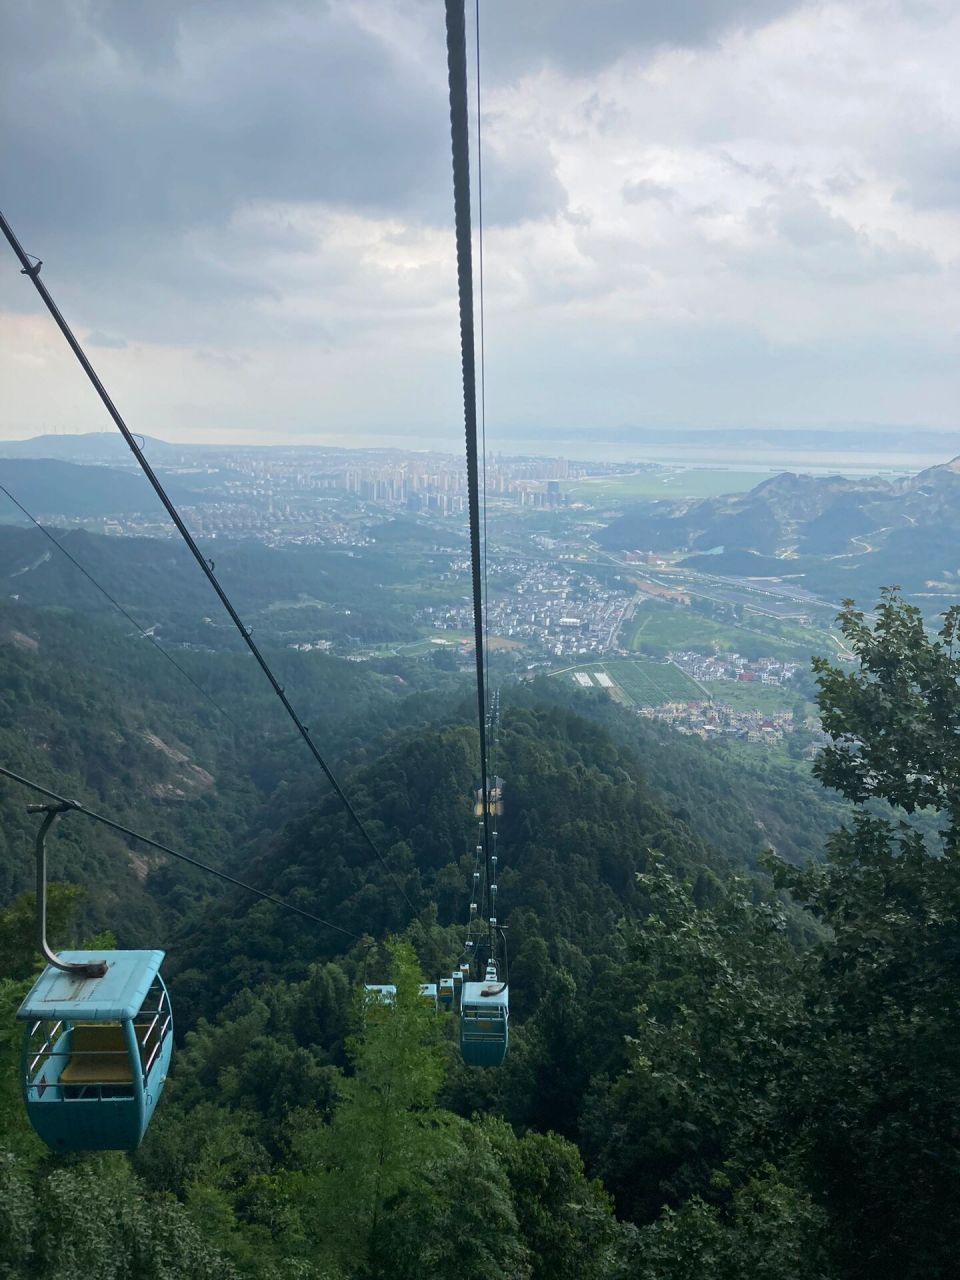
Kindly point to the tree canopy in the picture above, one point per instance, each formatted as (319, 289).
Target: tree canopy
(721, 1066)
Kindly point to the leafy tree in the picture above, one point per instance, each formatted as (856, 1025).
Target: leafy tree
(16, 1134)
(565, 1220)
(18, 1218)
(719, 1002)
(458, 1222)
(19, 953)
(878, 1092)
(770, 1230)
(91, 1218)
(386, 1129)
(894, 718)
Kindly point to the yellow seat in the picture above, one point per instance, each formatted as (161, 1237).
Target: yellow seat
(98, 1055)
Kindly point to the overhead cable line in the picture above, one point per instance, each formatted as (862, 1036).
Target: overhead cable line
(118, 606)
(460, 140)
(495, 710)
(483, 374)
(173, 853)
(32, 269)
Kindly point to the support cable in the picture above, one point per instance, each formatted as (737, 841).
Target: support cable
(119, 607)
(483, 376)
(173, 853)
(32, 269)
(460, 139)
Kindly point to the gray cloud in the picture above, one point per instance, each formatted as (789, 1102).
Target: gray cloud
(166, 115)
(127, 128)
(932, 168)
(821, 243)
(254, 196)
(275, 103)
(581, 37)
(643, 189)
(520, 183)
(97, 338)
(800, 219)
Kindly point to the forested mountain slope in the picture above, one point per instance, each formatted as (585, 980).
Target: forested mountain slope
(758, 1098)
(49, 487)
(580, 823)
(158, 583)
(97, 713)
(743, 805)
(98, 447)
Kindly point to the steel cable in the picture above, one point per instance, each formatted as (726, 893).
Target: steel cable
(460, 145)
(117, 605)
(32, 269)
(173, 853)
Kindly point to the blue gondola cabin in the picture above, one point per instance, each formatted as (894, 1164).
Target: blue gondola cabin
(381, 992)
(96, 1051)
(484, 1023)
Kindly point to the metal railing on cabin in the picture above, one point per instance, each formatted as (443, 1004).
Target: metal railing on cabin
(150, 1040)
(483, 1023)
(162, 1011)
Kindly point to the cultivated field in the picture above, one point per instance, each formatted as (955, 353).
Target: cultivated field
(650, 684)
(754, 696)
(675, 627)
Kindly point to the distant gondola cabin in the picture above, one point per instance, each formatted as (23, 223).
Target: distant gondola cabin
(494, 798)
(96, 1051)
(381, 992)
(378, 999)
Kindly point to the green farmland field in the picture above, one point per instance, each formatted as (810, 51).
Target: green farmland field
(667, 626)
(649, 684)
(753, 696)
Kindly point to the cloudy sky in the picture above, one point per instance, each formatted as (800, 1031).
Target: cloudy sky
(702, 213)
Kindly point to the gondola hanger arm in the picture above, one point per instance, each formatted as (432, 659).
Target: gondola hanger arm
(92, 968)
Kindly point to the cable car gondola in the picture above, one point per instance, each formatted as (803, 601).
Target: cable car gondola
(494, 798)
(98, 1038)
(380, 993)
(96, 1050)
(485, 1020)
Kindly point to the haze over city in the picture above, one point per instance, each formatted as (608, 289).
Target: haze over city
(738, 214)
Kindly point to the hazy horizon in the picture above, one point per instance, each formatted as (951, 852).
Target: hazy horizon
(852, 452)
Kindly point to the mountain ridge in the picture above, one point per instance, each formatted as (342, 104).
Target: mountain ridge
(822, 530)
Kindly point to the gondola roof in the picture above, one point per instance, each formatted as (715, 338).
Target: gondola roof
(118, 995)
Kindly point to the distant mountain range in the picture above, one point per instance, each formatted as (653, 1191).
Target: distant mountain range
(837, 536)
(109, 448)
(716, 445)
(91, 446)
